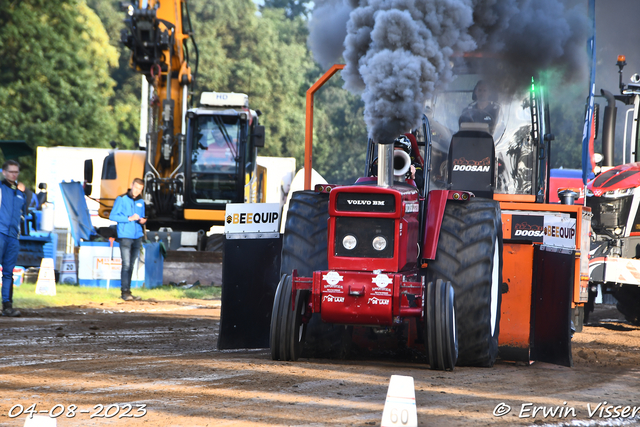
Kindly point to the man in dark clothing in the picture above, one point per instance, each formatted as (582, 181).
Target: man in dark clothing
(12, 209)
(128, 212)
(483, 109)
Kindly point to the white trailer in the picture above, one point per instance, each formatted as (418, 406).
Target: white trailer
(58, 164)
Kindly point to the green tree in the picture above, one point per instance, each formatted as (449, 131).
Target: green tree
(566, 112)
(293, 8)
(340, 134)
(54, 79)
(266, 56)
(126, 97)
(263, 56)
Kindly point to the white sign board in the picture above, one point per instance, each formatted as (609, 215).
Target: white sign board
(559, 231)
(252, 218)
(224, 99)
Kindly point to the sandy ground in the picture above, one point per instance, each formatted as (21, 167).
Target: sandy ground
(101, 364)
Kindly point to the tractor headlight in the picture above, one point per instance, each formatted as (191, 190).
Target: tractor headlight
(349, 242)
(619, 192)
(379, 243)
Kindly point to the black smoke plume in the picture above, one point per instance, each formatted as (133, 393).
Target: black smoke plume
(398, 52)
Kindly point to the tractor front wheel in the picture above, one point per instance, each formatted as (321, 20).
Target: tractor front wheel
(440, 325)
(280, 316)
(297, 332)
(304, 248)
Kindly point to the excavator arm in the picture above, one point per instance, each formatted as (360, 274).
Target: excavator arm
(157, 36)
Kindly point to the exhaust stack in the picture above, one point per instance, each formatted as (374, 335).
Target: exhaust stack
(385, 165)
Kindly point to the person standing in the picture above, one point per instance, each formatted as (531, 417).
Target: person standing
(12, 209)
(128, 212)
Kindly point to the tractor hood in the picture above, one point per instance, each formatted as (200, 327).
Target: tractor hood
(615, 181)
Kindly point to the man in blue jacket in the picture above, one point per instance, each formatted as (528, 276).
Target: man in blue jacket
(128, 212)
(12, 207)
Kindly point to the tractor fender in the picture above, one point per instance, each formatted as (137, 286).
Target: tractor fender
(434, 212)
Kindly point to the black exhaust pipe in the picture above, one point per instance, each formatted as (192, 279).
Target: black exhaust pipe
(608, 128)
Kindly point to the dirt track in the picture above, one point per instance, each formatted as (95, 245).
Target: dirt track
(164, 355)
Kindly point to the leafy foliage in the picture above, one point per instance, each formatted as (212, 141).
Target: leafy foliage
(54, 80)
(567, 104)
(126, 97)
(340, 135)
(293, 8)
(263, 56)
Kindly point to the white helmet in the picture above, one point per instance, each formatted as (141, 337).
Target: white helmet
(404, 143)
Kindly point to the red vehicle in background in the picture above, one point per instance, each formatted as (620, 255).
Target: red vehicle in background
(614, 198)
(566, 179)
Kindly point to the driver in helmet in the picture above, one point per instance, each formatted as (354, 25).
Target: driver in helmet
(483, 109)
(409, 145)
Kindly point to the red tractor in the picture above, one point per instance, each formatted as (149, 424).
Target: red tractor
(382, 251)
(385, 260)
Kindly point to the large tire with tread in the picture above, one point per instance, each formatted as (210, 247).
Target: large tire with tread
(304, 248)
(215, 243)
(288, 329)
(628, 297)
(440, 326)
(469, 255)
(274, 329)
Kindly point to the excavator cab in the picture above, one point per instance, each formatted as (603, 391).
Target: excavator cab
(223, 136)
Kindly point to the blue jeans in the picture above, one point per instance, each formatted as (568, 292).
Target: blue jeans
(9, 248)
(129, 251)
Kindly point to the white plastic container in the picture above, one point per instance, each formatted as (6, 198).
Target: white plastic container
(97, 266)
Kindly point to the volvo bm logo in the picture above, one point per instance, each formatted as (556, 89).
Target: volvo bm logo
(366, 202)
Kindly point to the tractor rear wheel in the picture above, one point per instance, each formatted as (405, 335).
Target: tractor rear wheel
(304, 248)
(215, 243)
(628, 297)
(469, 255)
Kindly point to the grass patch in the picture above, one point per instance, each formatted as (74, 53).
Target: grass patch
(25, 295)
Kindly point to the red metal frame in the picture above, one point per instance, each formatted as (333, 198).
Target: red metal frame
(353, 297)
(406, 230)
(436, 202)
(434, 212)
(370, 291)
